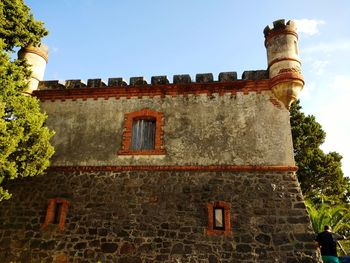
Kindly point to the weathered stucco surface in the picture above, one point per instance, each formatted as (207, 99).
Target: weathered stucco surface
(150, 216)
(241, 129)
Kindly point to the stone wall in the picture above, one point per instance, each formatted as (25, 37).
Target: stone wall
(157, 216)
(199, 129)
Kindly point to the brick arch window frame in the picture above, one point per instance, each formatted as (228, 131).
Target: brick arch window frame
(53, 205)
(146, 114)
(211, 230)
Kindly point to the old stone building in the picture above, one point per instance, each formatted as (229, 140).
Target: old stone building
(188, 171)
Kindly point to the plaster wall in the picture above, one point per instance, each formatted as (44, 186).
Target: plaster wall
(283, 50)
(240, 129)
(37, 66)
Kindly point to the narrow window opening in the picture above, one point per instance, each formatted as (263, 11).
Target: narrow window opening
(58, 209)
(143, 134)
(219, 221)
(56, 213)
(296, 47)
(219, 218)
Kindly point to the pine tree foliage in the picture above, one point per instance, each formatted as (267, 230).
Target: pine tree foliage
(25, 149)
(319, 174)
(17, 25)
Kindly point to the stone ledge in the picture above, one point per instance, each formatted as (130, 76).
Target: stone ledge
(175, 168)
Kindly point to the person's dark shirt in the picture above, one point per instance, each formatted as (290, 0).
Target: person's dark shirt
(327, 243)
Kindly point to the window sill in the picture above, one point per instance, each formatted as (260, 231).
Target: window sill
(142, 152)
(53, 228)
(218, 232)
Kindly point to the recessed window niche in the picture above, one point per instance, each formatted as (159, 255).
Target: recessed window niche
(56, 213)
(219, 218)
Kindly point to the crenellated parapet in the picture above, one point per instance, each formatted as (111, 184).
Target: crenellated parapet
(283, 75)
(182, 85)
(281, 27)
(155, 80)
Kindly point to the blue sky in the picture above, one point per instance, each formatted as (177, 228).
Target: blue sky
(125, 38)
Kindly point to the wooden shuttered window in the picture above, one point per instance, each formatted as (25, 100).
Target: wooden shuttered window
(56, 213)
(143, 134)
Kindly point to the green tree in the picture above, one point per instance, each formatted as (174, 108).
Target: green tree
(335, 216)
(320, 174)
(25, 149)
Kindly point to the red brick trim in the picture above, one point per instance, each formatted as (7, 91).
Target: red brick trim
(283, 59)
(233, 168)
(151, 91)
(286, 76)
(51, 209)
(127, 134)
(36, 51)
(227, 218)
(61, 259)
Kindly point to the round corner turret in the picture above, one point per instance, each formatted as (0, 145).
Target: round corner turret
(284, 66)
(37, 57)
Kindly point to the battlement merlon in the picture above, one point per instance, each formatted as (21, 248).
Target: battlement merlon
(183, 85)
(280, 27)
(284, 65)
(155, 80)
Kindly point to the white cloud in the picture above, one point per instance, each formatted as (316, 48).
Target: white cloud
(315, 66)
(341, 85)
(308, 89)
(319, 66)
(333, 115)
(338, 45)
(308, 26)
(326, 58)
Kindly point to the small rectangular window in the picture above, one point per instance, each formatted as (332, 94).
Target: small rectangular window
(219, 218)
(143, 134)
(56, 213)
(58, 208)
(219, 222)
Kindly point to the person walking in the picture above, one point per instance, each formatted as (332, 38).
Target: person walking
(327, 241)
